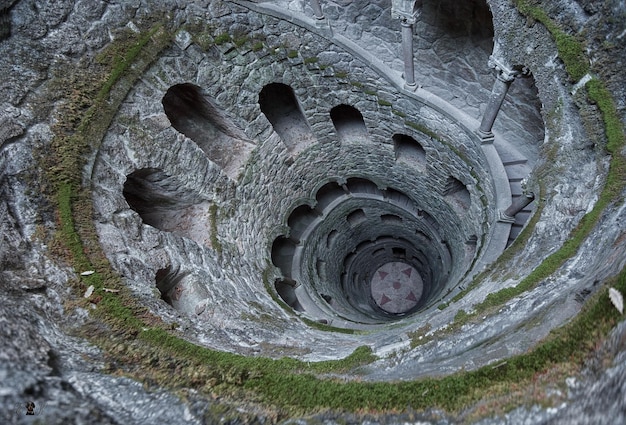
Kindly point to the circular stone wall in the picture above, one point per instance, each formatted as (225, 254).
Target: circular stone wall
(274, 175)
(254, 172)
(281, 180)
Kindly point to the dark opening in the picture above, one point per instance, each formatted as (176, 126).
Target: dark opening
(457, 191)
(348, 122)
(286, 290)
(391, 219)
(331, 238)
(359, 185)
(193, 113)
(165, 203)
(356, 217)
(166, 280)
(279, 104)
(409, 150)
(327, 194)
(282, 254)
(299, 220)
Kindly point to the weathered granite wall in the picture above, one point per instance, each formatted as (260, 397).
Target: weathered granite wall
(226, 266)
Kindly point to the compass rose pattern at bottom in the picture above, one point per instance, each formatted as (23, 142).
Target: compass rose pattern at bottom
(396, 287)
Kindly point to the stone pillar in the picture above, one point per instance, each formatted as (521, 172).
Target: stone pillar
(498, 93)
(505, 76)
(407, 12)
(516, 206)
(407, 53)
(317, 9)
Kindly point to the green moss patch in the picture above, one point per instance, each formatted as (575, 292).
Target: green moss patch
(571, 49)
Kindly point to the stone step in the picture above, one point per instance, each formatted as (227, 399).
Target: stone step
(516, 188)
(517, 172)
(510, 157)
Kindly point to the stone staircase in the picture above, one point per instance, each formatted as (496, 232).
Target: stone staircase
(517, 168)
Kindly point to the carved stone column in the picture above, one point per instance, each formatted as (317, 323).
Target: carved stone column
(407, 11)
(407, 53)
(505, 76)
(498, 93)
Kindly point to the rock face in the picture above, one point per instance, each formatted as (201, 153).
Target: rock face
(267, 164)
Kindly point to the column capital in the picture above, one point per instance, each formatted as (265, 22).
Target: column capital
(407, 11)
(507, 73)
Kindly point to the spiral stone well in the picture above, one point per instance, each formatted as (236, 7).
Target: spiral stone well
(305, 178)
(298, 179)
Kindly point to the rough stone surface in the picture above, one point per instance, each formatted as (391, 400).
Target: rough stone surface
(221, 301)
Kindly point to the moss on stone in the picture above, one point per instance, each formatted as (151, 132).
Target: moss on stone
(420, 336)
(222, 38)
(571, 50)
(241, 40)
(422, 129)
(258, 45)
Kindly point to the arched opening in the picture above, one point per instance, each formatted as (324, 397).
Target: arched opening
(409, 151)
(283, 250)
(359, 185)
(193, 113)
(181, 290)
(279, 104)
(348, 122)
(457, 192)
(331, 238)
(285, 288)
(163, 202)
(299, 220)
(166, 279)
(328, 194)
(356, 217)
(391, 219)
